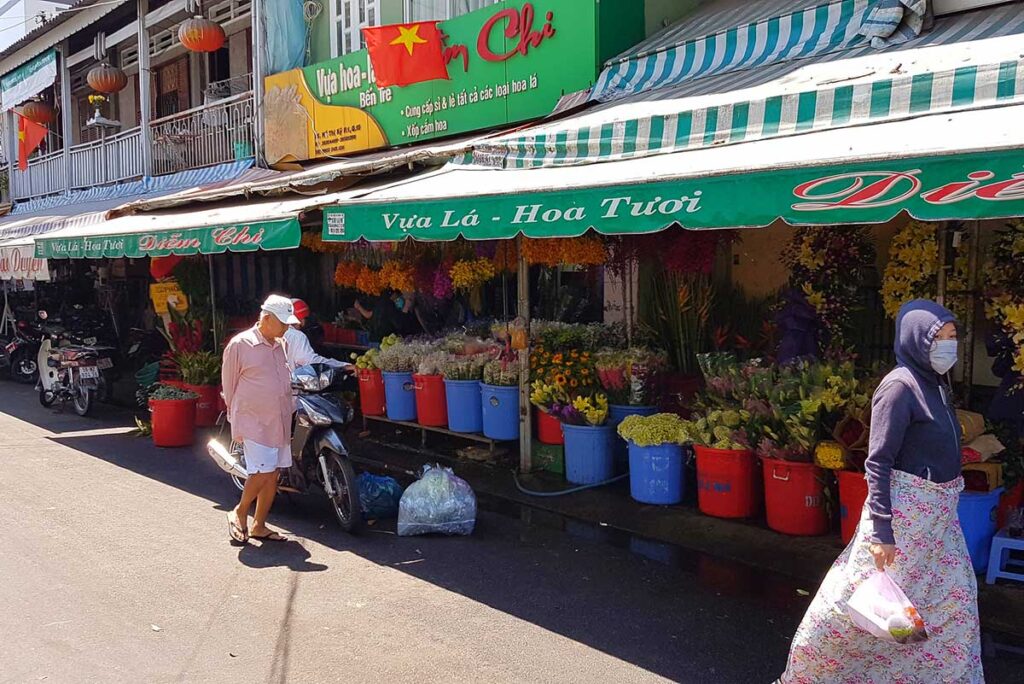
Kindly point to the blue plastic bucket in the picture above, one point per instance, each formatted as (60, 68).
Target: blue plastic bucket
(977, 513)
(464, 410)
(500, 411)
(589, 453)
(399, 396)
(616, 414)
(656, 473)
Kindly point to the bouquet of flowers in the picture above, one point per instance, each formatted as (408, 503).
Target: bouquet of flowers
(661, 428)
(547, 396)
(629, 377)
(464, 367)
(591, 409)
(503, 372)
(571, 370)
(718, 429)
(1004, 303)
(399, 358)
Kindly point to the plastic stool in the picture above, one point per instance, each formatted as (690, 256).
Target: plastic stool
(999, 561)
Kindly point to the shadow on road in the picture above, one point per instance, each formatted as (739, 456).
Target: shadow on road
(684, 616)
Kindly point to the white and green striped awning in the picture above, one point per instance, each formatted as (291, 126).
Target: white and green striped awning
(918, 78)
(724, 37)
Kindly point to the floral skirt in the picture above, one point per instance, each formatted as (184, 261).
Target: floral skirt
(933, 569)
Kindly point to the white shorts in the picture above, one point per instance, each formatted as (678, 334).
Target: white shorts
(264, 459)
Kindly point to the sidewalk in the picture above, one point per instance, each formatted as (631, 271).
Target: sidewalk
(804, 559)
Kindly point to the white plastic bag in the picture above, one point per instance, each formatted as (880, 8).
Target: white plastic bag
(438, 502)
(880, 608)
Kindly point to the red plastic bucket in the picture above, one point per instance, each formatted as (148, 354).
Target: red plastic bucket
(1011, 499)
(174, 421)
(728, 483)
(431, 402)
(794, 498)
(371, 391)
(549, 428)
(207, 405)
(853, 492)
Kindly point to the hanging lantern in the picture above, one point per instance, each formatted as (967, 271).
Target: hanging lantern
(199, 34)
(39, 111)
(107, 79)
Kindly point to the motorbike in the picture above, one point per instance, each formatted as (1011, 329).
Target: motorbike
(20, 352)
(320, 459)
(70, 368)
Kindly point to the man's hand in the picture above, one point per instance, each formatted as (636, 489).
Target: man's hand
(884, 554)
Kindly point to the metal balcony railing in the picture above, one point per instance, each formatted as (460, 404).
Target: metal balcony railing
(111, 159)
(215, 133)
(44, 176)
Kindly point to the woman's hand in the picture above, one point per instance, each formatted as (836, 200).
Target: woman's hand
(884, 554)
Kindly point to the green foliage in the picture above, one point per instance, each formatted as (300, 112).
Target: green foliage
(199, 368)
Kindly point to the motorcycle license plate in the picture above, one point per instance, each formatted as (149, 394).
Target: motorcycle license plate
(104, 364)
(11, 347)
(89, 341)
(89, 372)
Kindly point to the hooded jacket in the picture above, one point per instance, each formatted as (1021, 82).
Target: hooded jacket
(914, 427)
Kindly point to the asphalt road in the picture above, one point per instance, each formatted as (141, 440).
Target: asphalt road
(115, 567)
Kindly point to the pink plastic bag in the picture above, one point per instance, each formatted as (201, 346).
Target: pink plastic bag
(881, 609)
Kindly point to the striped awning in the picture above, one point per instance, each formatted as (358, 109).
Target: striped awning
(970, 61)
(724, 37)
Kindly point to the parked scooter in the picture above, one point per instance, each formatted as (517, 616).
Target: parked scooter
(69, 368)
(319, 456)
(20, 352)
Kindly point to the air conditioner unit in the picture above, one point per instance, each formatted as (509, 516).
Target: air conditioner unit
(941, 7)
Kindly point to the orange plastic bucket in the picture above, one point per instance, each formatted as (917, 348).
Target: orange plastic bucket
(174, 421)
(371, 391)
(728, 482)
(794, 498)
(431, 402)
(549, 428)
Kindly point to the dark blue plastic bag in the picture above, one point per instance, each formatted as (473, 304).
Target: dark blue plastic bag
(378, 495)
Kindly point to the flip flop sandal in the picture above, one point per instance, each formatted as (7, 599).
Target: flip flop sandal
(272, 536)
(238, 535)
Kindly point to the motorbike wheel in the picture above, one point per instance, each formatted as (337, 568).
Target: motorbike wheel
(82, 400)
(24, 368)
(46, 398)
(345, 501)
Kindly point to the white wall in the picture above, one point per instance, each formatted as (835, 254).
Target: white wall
(18, 18)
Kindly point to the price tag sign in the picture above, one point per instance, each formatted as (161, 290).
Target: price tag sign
(166, 295)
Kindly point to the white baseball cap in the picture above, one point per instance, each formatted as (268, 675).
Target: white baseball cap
(281, 308)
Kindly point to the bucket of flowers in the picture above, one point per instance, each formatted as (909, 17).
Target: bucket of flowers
(589, 438)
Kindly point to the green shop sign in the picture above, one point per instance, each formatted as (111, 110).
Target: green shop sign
(250, 237)
(969, 186)
(508, 62)
(28, 80)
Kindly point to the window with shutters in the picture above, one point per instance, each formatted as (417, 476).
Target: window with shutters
(170, 91)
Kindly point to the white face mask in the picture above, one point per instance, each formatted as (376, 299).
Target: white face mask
(943, 355)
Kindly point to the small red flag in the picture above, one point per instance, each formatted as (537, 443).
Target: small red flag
(30, 136)
(403, 54)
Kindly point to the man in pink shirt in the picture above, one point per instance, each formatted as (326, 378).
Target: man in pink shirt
(258, 394)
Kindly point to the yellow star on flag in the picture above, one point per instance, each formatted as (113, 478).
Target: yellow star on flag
(408, 36)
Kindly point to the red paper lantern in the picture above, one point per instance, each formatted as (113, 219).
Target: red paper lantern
(107, 79)
(199, 34)
(39, 112)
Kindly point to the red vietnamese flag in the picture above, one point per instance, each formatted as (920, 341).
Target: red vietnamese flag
(30, 135)
(403, 54)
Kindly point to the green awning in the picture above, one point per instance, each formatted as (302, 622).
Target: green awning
(869, 174)
(248, 237)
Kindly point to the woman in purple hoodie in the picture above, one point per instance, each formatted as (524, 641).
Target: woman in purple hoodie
(909, 529)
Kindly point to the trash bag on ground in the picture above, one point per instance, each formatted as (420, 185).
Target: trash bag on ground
(881, 609)
(438, 503)
(378, 496)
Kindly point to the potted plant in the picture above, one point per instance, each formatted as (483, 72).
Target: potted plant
(200, 374)
(589, 454)
(656, 470)
(397, 361)
(499, 397)
(371, 382)
(173, 415)
(431, 402)
(462, 375)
